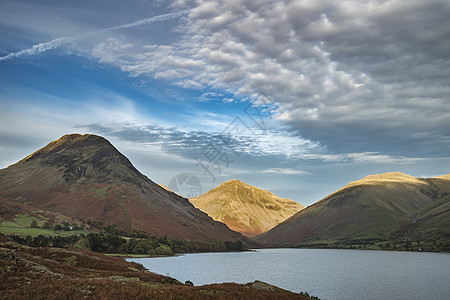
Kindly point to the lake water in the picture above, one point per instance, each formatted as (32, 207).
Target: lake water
(326, 273)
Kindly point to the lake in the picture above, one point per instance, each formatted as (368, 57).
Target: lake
(326, 273)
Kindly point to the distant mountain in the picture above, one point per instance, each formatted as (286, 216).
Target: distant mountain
(85, 177)
(383, 207)
(245, 208)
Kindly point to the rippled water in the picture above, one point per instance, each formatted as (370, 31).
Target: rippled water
(326, 273)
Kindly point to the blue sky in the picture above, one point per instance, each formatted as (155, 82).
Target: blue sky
(296, 97)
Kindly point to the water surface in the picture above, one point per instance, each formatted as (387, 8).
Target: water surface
(326, 273)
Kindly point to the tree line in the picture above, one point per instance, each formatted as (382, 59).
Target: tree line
(140, 243)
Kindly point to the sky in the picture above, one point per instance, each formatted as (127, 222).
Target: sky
(296, 97)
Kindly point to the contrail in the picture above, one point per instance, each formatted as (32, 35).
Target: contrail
(42, 47)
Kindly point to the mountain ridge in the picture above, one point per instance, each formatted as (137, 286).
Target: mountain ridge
(380, 207)
(86, 177)
(245, 208)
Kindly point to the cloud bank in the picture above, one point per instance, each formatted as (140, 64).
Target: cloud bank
(355, 76)
(351, 77)
(357, 87)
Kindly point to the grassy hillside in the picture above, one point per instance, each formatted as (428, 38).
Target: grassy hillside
(384, 211)
(23, 220)
(33, 227)
(245, 208)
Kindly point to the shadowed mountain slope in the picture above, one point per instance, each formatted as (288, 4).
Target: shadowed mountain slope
(381, 207)
(245, 208)
(86, 177)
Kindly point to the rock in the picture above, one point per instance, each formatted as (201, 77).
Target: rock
(259, 285)
(189, 283)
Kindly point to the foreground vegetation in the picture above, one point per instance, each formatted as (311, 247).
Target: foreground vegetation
(54, 273)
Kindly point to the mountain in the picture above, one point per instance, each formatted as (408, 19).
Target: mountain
(86, 177)
(245, 208)
(383, 207)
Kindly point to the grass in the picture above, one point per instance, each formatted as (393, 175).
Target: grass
(73, 189)
(24, 220)
(25, 231)
(20, 225)
(11, 228)
(100, 193)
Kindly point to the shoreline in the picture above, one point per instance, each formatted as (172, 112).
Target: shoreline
(56, 273)
(129, 255)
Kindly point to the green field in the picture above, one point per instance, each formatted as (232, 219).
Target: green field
(20, 225)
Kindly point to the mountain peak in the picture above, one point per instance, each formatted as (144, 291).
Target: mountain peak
(84, 157)
(245, 208)
(85, 176)
(78, 141)
(69, 143)
(233, 182)
(386, 177)
(76, 137)
(446, 176)
(241, 188)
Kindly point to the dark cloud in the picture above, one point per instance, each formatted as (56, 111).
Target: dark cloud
(188, 144)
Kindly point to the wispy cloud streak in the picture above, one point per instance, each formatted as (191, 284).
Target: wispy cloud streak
(42, 47)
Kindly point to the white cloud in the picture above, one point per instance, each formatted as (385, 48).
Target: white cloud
(363, 157)
(330, 65)
(284, 171)
(353, 76)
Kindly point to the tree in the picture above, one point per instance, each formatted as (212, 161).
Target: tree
(219, 246)
(34, 224)
(408, 244)
(164, 250)
(48, 225)
(67, 226)
(83, 244)
(234, 246)
(138, 249)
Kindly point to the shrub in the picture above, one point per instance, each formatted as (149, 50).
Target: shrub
(164, 250)
(34, 224)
